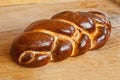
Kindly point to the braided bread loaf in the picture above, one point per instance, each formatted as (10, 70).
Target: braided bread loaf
(65, 34)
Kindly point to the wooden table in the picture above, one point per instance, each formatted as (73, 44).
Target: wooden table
(101, 64)
(18, 2)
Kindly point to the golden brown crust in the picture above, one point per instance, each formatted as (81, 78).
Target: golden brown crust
(62, 50)
(65, 34)
(100, 18)
(52, 25)
(81, 20)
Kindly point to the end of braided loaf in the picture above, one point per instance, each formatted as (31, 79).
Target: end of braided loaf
(65, 34)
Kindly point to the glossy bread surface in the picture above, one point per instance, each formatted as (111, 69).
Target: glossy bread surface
(65, 34)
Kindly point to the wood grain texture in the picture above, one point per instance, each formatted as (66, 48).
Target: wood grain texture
(16, 2)
(100, 64)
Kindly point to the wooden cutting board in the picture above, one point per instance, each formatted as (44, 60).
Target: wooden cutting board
(17, 2)
(100, 64)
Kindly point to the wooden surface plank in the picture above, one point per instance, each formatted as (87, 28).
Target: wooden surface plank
(101, 64)
(16, 2)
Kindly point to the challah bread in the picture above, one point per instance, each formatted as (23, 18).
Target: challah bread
(65, 34)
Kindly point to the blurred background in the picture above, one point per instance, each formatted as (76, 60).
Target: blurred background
(15, 2)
